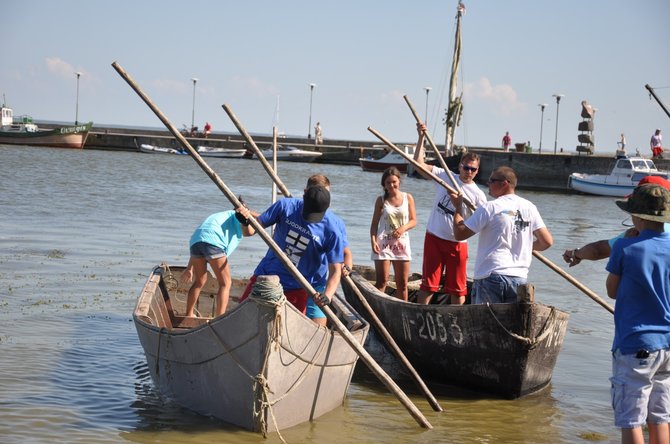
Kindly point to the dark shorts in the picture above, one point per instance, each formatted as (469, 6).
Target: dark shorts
(205, 250)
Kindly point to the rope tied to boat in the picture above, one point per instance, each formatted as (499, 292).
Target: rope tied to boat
(547, 328)
(268, 291)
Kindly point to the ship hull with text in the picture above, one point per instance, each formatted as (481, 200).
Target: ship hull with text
(22, 131)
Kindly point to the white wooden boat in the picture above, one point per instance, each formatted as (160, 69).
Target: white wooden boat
(153, 149)
(290, 153)
(208, 151)
(259, 366)
(621, 181)
(390, 159)
(22, 131)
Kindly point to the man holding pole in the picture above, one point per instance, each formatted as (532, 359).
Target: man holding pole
(509, 228)
(442, 253)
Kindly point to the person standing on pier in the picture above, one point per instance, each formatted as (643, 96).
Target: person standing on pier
(318, 136)
(208, 129)
(510, 228)
(443, 254)
(506, 141)
(656, 144)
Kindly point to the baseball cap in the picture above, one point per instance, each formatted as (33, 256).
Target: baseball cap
(649, 202)
(316, 201)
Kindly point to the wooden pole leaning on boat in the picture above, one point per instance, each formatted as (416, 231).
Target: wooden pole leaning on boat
(433, 146)
(470, 205)
(255, 149)
(348, 337)
(379, 326)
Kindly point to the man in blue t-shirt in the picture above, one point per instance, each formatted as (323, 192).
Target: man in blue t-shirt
(639, 280)
(312, 237)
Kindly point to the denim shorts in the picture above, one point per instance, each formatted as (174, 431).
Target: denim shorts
(640, 389)
(204, 250)
(496, 289)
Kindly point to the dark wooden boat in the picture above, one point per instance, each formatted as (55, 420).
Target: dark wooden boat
(260, 366)
(505, 349)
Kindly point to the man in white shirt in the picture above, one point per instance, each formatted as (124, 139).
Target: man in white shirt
(443, 255)
(509, 228)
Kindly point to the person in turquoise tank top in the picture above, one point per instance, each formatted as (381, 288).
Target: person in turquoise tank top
(212, 242)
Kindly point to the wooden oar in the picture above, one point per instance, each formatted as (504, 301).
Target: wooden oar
(470, 205)
(255, 149)
(393, 345)
(433, 146)
(348, 337)
(380, 327)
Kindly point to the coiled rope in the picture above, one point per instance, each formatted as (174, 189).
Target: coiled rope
(531, 342)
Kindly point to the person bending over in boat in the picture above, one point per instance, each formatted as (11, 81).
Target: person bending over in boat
(510, 228)
(394, 215)
(212, 243)
(312, 237)
(638, 279)
(443, 255)
(601, 249)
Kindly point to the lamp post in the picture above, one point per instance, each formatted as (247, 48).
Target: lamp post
(194, 80)
(425, 120)
(542, 107)
(311, 93)
(558, 102)
(76, 112)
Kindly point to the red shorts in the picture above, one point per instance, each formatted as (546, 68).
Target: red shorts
(656, 151)
(443, 257)
(296, 297)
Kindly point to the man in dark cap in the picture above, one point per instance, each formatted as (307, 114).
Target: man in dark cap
(639, 280)
(311, 236)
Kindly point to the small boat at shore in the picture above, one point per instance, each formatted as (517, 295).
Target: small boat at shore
(508, 350)
(22, 131)
(391, 158)
(153, 149)
(622, 179)
(262, 365)
(289, 153)
(229, 153)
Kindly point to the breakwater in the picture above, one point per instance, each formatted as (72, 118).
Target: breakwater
(536, 171)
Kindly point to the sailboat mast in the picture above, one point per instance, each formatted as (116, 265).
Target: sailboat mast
(453, 112)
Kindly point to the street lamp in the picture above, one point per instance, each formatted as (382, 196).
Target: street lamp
(558, 101)
(425, 120)
(76, 112)
(542, 106)
(194, 80)
(311, 93)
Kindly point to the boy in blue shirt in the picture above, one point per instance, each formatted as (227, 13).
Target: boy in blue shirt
(639, 280)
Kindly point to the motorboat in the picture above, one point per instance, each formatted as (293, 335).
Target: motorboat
(153, 149)
(390, 159)
(290, 153)
(209, 151)
(624, 177)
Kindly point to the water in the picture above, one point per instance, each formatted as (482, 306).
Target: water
(80, 231)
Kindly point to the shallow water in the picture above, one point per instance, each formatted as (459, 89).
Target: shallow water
(81, 230)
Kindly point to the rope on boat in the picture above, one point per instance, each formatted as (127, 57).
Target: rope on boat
(268, 291)
(531, 342)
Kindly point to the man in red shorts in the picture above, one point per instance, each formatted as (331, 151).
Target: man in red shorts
(443, 255)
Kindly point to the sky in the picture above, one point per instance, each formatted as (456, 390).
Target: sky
(260, 57)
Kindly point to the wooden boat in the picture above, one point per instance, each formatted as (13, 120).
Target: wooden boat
(621, 181)
(259, 366)
(23, 131)
(153, 149)
(505, 349)
(391, 158)
(289, 153)
(209, 151)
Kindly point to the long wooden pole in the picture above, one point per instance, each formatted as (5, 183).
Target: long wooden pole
(348, 337)
(256, 150)
(393, 345)
(469, 203)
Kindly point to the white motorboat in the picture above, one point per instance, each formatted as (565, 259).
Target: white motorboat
(153, 149)
(209, 151)
(290, 153)
(620, 182)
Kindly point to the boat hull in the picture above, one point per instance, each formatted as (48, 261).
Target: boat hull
(508, 350)
(597, 185)
(64, 137)
(378, 166)
(260, 367)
